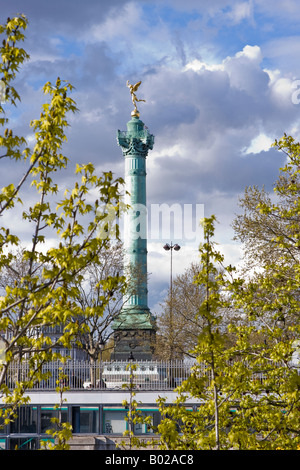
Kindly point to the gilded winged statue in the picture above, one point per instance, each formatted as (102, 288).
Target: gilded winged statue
(133, 89)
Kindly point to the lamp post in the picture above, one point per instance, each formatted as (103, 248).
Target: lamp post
(168, 247)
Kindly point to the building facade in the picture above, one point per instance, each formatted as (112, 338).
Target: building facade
(97, 412)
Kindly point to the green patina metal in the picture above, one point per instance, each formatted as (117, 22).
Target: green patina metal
(135, 318)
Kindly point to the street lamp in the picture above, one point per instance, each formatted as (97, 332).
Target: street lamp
(168, 247)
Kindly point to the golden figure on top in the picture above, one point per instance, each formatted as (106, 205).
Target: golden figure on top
(133, 89)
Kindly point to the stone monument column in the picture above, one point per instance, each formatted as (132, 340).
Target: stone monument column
(134, 328)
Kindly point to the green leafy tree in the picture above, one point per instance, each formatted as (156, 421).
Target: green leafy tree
(178, 324)
(248, 393)
(61, 432)
(44, 292)
(134, 416)
(183, 428)
(269, 224)
(186, 324)
(269, 298)
(107, 301)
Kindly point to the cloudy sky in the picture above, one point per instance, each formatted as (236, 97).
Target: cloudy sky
(220, 80)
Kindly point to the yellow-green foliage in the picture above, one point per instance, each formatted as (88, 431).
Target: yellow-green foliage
(249, 394)
(43, 285)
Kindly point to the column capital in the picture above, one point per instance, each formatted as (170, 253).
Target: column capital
(136, 140)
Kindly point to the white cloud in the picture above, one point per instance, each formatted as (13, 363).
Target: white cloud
(248, 54)
(197, 65)
(282, 90)
(241, 11)
(252, 53)
(159, 266)
(260, 143)
(119, 22)
(273, 75)
(245, 72)
(232, 253)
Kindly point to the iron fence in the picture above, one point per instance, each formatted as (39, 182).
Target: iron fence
(79, 375)
(85, 375)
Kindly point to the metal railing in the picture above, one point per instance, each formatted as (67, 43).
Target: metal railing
(85, 375)
(139, 375)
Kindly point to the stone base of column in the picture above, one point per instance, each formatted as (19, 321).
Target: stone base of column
(139, 344)
(134, 333)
